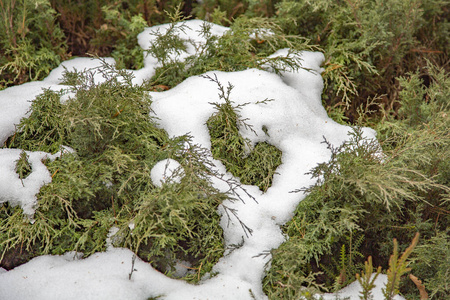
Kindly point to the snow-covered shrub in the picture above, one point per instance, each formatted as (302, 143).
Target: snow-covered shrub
(104, 194)
(358, 192)
(107, 182)
(248, 43)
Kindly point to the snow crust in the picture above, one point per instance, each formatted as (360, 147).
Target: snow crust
(296, 123)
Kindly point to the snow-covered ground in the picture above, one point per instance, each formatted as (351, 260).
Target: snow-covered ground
(296, 123)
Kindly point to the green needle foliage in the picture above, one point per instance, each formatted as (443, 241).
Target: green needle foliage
(385, 190)
(368, 43)
(23, 167)
(357, 190)
(367, 280)
(118, 35)
(247, 44)
(106, 182)
(31, 41)
(45, 129)
(431, 261)
(398, 267)
(252, 165)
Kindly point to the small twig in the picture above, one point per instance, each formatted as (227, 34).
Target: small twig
(133, 259)
(234, 212)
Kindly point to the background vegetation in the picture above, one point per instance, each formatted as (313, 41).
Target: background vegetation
(386, 67)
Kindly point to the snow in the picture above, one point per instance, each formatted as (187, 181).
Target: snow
(296, 123)
(79, 64)
(15, 103)
(166, 171)
(189, 33)
(18, 191)
(352, 291)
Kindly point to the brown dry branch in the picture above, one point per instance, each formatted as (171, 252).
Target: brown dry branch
(420, 286)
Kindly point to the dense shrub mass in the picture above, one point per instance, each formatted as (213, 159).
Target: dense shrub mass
(386, 67)
(364, 198)
(32, 42)
(370, 43)
(106, 183)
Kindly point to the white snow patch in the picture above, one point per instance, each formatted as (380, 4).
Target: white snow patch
(79, 64)
(189, 31)
(166, 171)
(18, 191)
(14, 104)
(100, 276)
(353, 290)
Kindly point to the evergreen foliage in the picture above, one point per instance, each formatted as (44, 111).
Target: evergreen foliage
(23, 167)
(253, 166)
(386, 66)
(420, 133)
(31, 41)
(36, 36)
(369, 43)
(388, 190)
(106, 181)
(247, 44)
(119, 33)
(44, 130)
(431, 261)
(105, 26)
